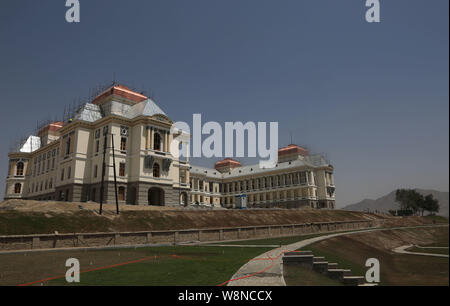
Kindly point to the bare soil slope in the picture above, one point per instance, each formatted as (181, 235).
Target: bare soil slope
(34, 217)
(352, 251)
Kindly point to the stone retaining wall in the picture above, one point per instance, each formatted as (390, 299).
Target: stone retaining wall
(47, 241)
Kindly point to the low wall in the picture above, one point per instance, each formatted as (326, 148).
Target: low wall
(48, 241)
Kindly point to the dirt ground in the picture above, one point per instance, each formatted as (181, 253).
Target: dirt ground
(21, 217)
(396, 269)
(68, 207)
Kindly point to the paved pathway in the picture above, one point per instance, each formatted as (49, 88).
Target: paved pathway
(402, 250)
(425, 247)
(267, 269)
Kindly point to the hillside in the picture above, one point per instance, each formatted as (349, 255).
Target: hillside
(34, 217)
(387, 202)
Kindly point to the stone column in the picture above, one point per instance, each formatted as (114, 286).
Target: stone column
(167, 141)
(151, 137)
(164, 139)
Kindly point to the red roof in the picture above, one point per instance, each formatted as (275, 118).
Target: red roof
(292, 149)
(227, 162)
(121, 91)
(54, 126)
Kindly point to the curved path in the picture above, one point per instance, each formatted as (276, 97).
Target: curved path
(267, 269)
(402, 250)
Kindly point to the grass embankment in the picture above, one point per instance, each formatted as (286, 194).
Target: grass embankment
(352, 251)
(13, 222)
(171, 266)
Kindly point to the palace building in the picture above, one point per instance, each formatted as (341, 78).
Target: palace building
(63, 162)
(298, 180)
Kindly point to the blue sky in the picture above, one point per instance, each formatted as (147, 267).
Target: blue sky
(372, 97)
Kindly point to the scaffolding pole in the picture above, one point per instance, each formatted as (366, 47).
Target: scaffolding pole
(103, 175)
(115, 177)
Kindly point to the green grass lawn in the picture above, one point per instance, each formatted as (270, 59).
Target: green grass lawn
(193, 266)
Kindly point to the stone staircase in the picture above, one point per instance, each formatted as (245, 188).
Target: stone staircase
(320, 265)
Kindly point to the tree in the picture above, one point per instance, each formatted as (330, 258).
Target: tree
(401, 197)
(416, 201)
(410, 200)
(431, 204)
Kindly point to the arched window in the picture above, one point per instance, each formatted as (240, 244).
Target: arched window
(157, 142)
(155, 170)
(17, 188)
(121, 193)
(19, 169)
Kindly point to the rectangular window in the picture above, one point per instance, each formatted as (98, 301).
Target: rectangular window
(122, 169)
(62, 175)
(97, 146)
(95, 171)
(68, 146)
(69, 172)
(121, 193)
(183, 176)
(123, 144)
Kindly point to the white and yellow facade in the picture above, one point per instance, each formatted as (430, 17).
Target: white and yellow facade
(297, 180)
(64, 163)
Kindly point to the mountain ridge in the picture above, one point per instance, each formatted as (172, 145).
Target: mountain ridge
(387, 202)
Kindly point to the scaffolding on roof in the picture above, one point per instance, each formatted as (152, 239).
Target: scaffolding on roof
(26, 145)
(88, 112)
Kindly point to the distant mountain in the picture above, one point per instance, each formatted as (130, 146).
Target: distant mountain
(387, 202)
